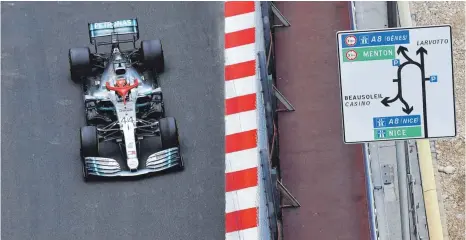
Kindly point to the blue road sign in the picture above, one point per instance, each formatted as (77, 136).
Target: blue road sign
(397, 121)
(433, 78)
(396, 62)
(377, 38)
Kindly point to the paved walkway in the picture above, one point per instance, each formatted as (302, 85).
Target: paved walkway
(325, 175)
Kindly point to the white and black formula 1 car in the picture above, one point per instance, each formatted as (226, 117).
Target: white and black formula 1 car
(123, 103)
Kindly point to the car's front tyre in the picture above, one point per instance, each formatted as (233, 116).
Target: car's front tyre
(169, 136)
(89, 147)
(152, 55)
(80, 63)
(168, 132)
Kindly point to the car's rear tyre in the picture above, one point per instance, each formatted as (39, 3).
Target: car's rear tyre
(152, 55)
(89, 147)
(80, 63)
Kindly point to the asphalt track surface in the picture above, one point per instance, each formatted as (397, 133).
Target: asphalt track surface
(43, 194)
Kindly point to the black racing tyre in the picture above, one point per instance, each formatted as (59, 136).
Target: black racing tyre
(152, 55)
(168, 132)
(80, 63)
(89, 142)
(89, 147)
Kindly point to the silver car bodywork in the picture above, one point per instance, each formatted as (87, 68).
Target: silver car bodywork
(129, 125)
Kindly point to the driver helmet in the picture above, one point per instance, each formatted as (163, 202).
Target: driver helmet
(121, 82)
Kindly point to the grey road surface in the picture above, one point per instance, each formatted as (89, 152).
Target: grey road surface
(43, 195)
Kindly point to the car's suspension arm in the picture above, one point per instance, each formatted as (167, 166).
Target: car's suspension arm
(144, 129)
(110, 132)
(147, 128)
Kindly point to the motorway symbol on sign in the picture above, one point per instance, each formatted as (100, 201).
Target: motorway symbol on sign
(393, 78)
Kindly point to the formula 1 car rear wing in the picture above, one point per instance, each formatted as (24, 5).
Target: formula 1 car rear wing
(114, 30)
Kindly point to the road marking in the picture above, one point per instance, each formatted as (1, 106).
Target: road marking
(240, 54)
(240, 122)
(240, 86)
(240, 160)
(235, 181)
(241, 141)
(240, 22)
(248, 219)
(241, 37)
(233, 8)
(240, 104)
(250, 233)
(240, 70)
(241, 199)
(241, 152)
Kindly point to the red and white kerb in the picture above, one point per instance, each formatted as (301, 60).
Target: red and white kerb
(241, 154)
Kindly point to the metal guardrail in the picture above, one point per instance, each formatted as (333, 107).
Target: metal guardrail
(274, 189)
(267, 89)
(268, 172)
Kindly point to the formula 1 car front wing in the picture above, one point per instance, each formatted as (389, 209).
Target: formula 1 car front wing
(156, 162)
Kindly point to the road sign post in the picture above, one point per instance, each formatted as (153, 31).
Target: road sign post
(390, 87)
